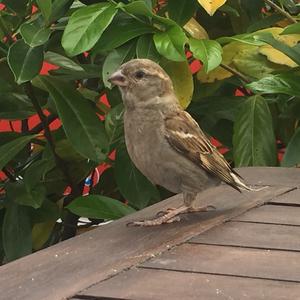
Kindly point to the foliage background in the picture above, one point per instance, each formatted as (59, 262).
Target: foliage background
(246, 95)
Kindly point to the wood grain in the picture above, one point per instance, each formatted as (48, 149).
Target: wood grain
(286, 215)
(146, 284)
(64, 269)
(256, 235)
(292, 198)
(234, 261)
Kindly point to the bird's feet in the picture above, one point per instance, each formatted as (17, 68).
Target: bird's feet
(170, 215)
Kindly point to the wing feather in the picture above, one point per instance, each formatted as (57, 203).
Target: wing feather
(185, 136)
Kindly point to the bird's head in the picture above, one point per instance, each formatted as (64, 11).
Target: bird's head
(141, 80)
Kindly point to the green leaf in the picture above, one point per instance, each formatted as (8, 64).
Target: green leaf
(145, 48)
(282, 83)
(133, 185)
(121, 30)
(208, 51)
(16, 232)
(23, 195)
(59, 8)
(114, 59)
(170, 43)
(83, 128)
(25, 61)
(9, 150)
(291, 157)
(114, 125)
(136, 8)
(217, 108)
(46, 8)
(291, 29)
(62, 61)
(86, 26)
(254, 141)
(99, 207)
(287, 50)
(34, 35)
(181, 11)
(15, 106)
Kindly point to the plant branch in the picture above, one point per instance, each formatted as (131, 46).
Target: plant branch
(59, 162)
(8, 174)
(280, 10)
(235, 72)
(39, 127)
(30, 93)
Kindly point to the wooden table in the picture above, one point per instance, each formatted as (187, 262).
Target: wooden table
(247, 249)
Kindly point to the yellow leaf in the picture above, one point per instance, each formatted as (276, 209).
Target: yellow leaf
(252, 60)
(182, 80)
(275, 55)
(211, 5)
(195, 30)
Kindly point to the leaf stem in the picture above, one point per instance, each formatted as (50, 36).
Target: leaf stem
(280, 10)
(235, 72)
(59, 162)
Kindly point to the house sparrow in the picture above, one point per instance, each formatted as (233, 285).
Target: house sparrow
(165, 143)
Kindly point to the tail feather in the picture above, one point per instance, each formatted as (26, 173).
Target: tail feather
(241, 185)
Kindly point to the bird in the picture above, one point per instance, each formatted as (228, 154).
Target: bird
(165, 143)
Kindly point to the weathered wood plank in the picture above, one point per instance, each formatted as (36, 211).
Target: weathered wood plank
(236, 261)
(64, 269)
(271, 176)
(292, 198)
(145, 284)
(276, 214)
(256, 235)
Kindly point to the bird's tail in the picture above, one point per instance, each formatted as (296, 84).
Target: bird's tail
(241, 185)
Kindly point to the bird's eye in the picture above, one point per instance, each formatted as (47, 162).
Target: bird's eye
(139, 74)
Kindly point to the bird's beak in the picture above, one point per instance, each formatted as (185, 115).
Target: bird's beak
(118, 78)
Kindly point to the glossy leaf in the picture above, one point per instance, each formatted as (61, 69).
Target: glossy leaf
(291, 157)
(121, 30)
(25, 195)
(59, 8)
(170, 43)
(292, 29)
(113, 61)
(133, 185)
(212, 5)
(34, 35)
(181, 11)
(46, 8)
(62, 61)
(182, 80)
(15, 106)
(89, 137)
(114, 126)
(145, 48)
(208, 51)
(25, 61)
(99, 207)
(16, 232)
(282, 83)
(9, 150)
(86, 26)
(254, 141)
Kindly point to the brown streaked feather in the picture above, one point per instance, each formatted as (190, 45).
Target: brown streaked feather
(184, 135)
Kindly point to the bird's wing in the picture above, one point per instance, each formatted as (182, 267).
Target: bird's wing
(185, 136)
